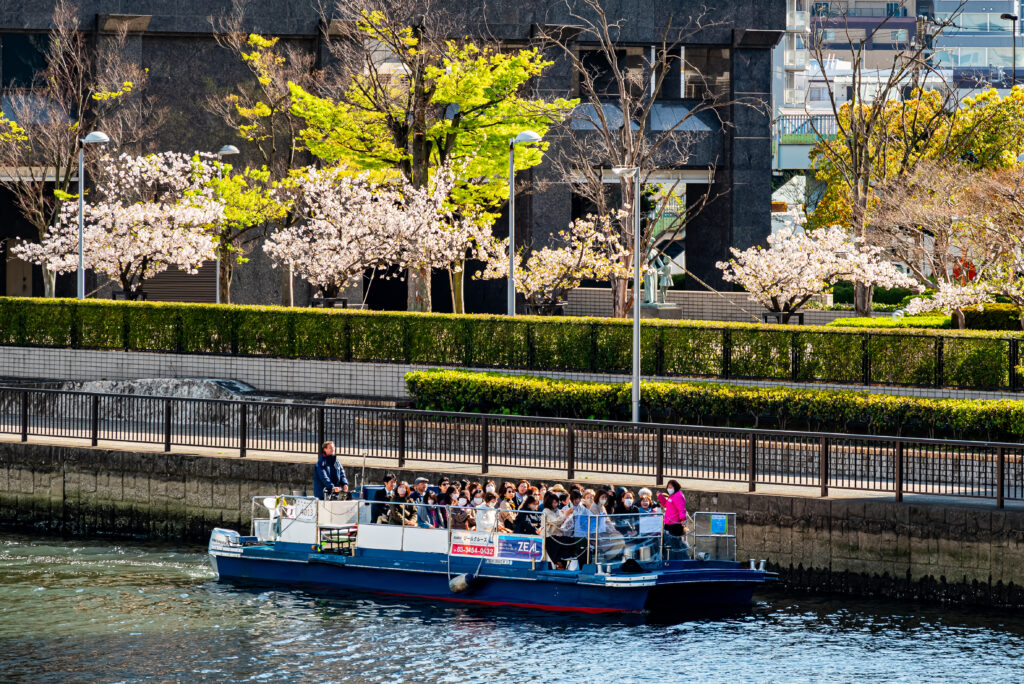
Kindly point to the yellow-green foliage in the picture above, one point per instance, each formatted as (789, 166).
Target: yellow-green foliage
(719, 404)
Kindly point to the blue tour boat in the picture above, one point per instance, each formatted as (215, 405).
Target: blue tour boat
(624, 564)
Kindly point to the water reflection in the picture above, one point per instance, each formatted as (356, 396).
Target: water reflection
(93, 610)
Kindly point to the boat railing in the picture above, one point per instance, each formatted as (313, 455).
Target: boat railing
(714, 535)
(288, 517)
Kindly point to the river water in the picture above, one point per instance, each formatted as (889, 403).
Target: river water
(102, 610)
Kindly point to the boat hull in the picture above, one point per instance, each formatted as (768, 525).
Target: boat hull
(557, 591)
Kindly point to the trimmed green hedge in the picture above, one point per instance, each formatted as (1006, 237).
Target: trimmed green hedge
(842, 293)
(993, 317)
(921, 321)
(972, 359)
(720, 405)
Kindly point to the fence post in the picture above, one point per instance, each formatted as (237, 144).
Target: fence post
(823, 465)
(167, 425)
(401, 440)
(1000, 476)
(485, 447)
(94, 420)
(899, 470)
(24, 415)
(570, 447)
(321, 428)
(660, 462)
(940, 370)
(865, 360)
(752, 462)
(243, 429)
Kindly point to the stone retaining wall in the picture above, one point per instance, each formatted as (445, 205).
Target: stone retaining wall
(866, 547)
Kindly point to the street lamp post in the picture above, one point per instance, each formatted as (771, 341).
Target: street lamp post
(94, 138)
(634, 173)
(1012, 18)
(524, 137)
(225, 151)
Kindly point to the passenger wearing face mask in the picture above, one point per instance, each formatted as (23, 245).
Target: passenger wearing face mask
(528, 519)
(461, 516)
(486, 513)
(628, 511)
(675, 520)
(402, 511)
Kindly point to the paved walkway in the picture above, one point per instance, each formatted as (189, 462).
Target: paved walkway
(354, 465)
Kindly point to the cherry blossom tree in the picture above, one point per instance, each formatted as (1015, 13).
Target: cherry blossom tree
(349, 224)
(590, 249)
(150, 213)
(798, 265)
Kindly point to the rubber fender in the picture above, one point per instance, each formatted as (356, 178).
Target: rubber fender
(460, 583)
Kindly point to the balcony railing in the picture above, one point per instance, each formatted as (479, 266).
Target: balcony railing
(803, 129)
(798, 21)
(795, 59)
(795, 97)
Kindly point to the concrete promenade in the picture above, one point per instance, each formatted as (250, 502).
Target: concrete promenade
(927, 548)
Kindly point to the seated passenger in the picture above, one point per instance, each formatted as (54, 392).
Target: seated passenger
(401, 511)
(435, 511)
(528, 519)
(646, 505)
(379, 511)
(522, 491)
(557, 545)
(462, 517)
(507, 508)
(627, 521)
(486, 514)
(418, 496)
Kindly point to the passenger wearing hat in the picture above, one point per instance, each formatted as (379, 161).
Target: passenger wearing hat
(418, 495)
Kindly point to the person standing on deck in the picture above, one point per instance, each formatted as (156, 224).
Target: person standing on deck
(329, 477)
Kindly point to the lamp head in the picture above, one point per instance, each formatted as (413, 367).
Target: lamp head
(625, 171)
(96, 138)
(1006, 16)
(526, 137)
(227, 150)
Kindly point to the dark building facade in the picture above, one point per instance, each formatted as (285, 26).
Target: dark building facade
(732, 160)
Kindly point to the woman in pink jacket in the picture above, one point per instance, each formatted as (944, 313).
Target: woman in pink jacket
(674, 505)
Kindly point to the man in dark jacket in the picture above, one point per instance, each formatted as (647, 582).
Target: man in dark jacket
(383, 495)
(329, 476)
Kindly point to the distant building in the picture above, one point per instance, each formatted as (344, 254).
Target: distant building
(175, 41)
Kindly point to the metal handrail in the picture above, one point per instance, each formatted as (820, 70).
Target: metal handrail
(498, 418)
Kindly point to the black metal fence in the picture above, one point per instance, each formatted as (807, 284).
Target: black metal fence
(822, 460)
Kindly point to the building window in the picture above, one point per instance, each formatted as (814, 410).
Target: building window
(828, 36)
(706, 73)
(972, 21)
(894, 9)
(820, 9)
(630, 61)
(898, 36)
(22, 56)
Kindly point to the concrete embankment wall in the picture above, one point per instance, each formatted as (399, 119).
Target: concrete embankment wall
(867, 547)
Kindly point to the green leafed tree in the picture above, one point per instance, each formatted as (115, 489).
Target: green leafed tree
(416, 100)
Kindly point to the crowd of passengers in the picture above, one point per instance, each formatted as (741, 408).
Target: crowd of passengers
(566, 517)
(563, 516)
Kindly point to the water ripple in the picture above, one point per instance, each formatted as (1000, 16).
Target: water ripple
(143, 612)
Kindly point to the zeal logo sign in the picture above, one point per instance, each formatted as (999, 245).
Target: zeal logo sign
(503, 546)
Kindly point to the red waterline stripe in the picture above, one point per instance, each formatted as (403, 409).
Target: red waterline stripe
(537, 606)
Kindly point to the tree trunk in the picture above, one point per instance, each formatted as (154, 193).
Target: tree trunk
(50, 283)
(862, 296)
(227, 272)
(458, 294)
(287, 291)
(959, 320)
(418, 298)
(622, 301)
